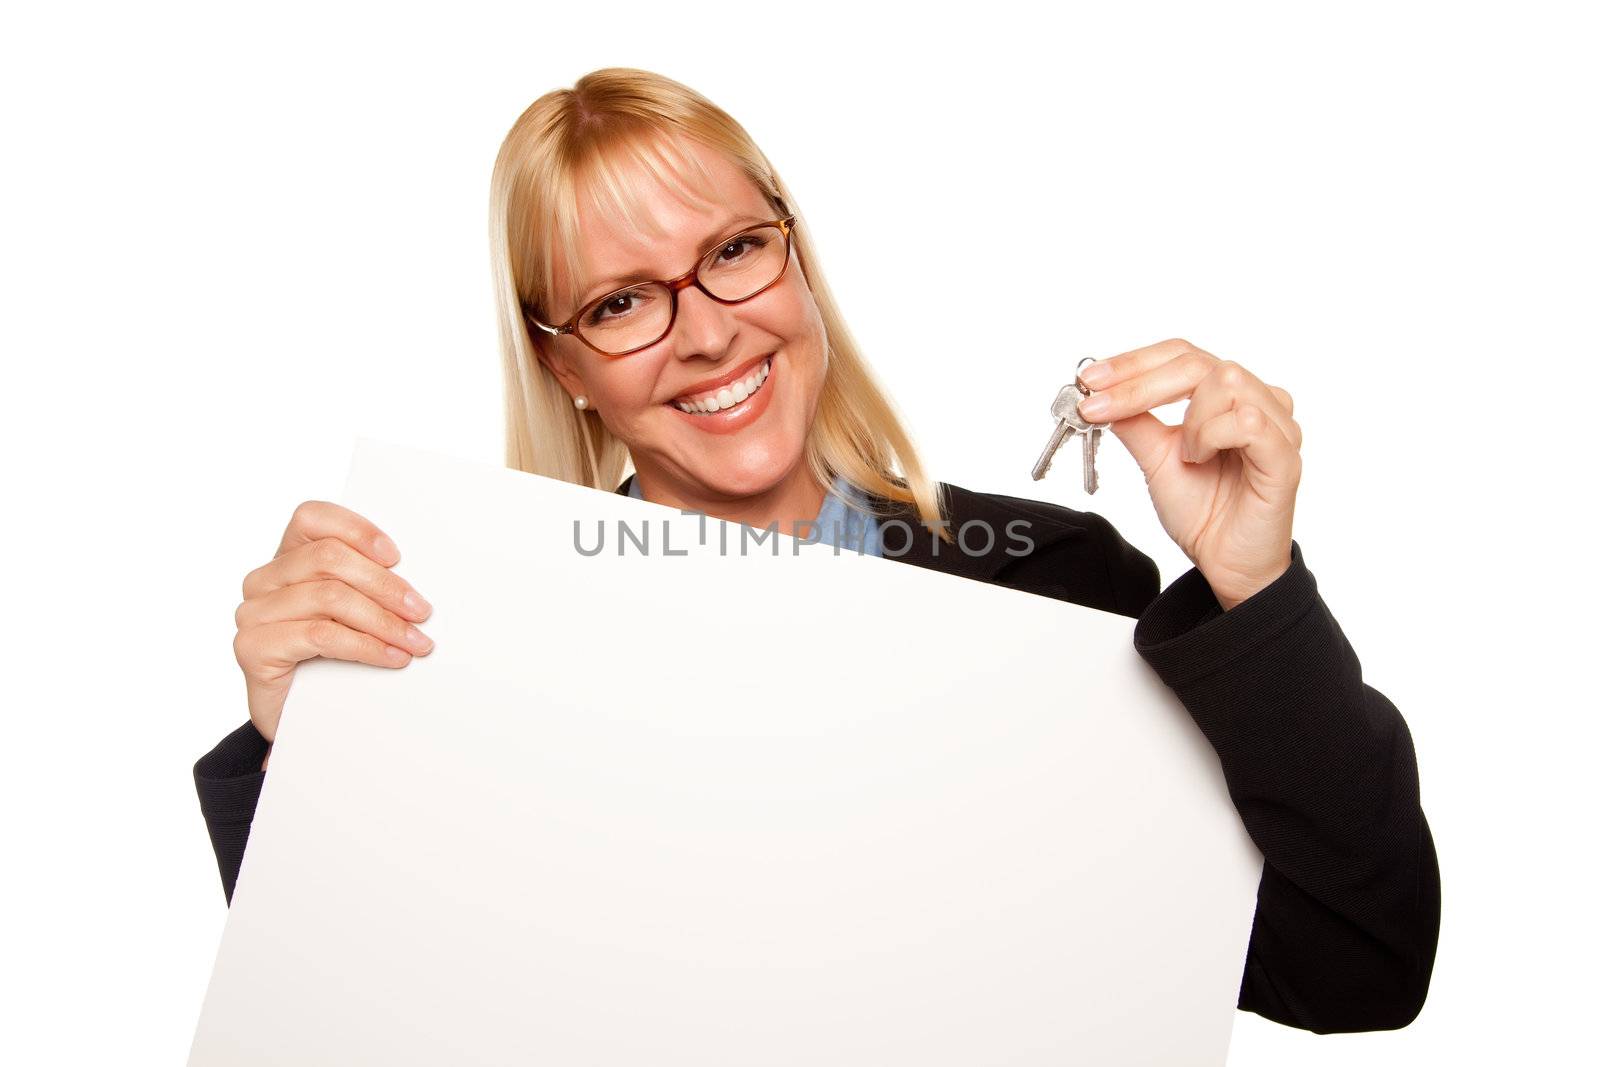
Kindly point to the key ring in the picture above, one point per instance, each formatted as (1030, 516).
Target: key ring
(1084, 389)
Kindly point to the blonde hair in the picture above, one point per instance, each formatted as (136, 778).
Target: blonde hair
(577, 141)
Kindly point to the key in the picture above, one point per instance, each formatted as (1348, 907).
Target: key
(1091, 445)
(1091, 438)
(1068, 422)
(1058, 437)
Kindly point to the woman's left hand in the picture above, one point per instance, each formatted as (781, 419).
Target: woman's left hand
(1224, 481)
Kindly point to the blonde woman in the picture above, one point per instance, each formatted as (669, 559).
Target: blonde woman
(661, 304)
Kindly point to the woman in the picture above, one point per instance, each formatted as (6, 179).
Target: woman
(660, 303)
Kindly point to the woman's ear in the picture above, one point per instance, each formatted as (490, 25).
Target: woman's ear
(558, 364)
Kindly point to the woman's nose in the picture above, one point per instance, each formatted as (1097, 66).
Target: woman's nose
(704, 327)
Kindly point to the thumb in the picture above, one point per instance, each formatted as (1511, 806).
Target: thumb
(1147, 438)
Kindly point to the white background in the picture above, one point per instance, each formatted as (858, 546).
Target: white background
(235, 239)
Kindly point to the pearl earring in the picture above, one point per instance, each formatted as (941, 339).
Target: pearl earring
(580, 402)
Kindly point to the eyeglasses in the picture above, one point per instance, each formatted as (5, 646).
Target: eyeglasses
(637, 316)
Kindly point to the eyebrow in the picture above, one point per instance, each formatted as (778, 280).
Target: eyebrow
(728, 229)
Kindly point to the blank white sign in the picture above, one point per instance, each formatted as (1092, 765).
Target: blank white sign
(724, 809)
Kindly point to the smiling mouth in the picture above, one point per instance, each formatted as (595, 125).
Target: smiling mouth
(728, 396)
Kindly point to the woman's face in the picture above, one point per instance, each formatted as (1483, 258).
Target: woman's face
(741, 451)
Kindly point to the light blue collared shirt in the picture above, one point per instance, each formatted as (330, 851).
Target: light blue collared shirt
(837, 523)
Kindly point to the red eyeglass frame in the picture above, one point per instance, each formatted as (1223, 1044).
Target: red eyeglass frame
(786, 224)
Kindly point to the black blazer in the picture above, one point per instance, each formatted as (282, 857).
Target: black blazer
(1319, 765)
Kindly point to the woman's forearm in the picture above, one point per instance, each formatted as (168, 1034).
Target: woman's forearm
(1322, 770)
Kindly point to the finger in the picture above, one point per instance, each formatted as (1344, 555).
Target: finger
(331, 557)
(315, 519)
(1104, 373)
(1264, 448)
(1227, 386)
(329, 598)
(1148, 440)
(277, 645)
(1283, 398)
(1166, 382)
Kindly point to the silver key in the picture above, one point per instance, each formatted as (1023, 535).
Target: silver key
(1069, 422)
(1091, 445)
(1058, 437)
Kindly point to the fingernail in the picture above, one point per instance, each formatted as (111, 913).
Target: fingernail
(417, 639)
(385, 547)
(416, 605)
(1094, 407)
(1095, 374)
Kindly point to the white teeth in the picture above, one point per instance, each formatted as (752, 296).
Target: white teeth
(728, 395)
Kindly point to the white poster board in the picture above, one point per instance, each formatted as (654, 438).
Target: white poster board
(706, 809)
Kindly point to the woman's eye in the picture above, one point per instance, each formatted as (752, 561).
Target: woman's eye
(618, 304)
(739, 246)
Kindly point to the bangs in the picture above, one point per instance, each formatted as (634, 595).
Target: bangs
(612, 178)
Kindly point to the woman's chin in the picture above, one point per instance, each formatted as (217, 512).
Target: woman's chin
(745, 481)
(748, 468)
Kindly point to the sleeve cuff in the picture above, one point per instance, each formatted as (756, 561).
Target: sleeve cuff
(1185, 635)
(229, 777)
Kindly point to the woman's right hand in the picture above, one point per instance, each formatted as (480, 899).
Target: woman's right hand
(327, 592)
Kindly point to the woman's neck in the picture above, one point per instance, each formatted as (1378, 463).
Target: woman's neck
(796, 499)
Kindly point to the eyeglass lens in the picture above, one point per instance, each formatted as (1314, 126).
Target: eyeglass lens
(640, 315)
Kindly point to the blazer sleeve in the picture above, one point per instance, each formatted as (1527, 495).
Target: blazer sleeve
(228, 780)
(1323, 773)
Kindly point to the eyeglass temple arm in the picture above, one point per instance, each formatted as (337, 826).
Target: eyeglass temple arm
(527, 313)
